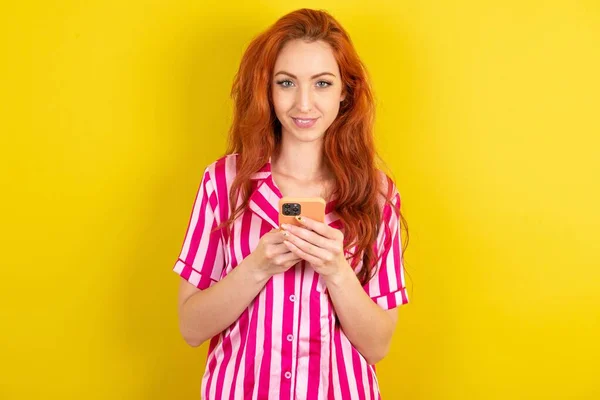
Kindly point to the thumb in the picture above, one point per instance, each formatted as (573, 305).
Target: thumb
(274, 236)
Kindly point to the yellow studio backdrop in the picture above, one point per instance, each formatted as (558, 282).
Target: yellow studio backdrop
(487, 117)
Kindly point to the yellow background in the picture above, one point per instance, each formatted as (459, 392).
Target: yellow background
(487, 116)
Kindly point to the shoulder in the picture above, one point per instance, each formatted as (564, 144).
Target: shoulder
(388, 191)
(222, 169)
(389, 202)
(216, 180)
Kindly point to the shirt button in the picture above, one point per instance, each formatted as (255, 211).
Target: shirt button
(290, 337)
(292, 297)
(288, 375)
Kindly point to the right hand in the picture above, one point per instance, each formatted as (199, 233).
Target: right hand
(271, 256)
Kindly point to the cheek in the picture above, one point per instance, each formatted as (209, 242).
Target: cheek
(281, 102)
(333, 105)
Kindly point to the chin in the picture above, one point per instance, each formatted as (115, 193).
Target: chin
(308, 137)
(305, 136)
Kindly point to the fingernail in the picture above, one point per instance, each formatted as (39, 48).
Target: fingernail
(284, 226)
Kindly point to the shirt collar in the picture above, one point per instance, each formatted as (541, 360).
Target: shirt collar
(264, 172)
(264, 199)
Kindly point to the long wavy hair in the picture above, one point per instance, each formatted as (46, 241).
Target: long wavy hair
(349, 150)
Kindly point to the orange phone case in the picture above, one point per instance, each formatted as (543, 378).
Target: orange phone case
(311, 207)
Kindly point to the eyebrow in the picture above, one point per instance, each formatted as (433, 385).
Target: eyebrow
(312, 77)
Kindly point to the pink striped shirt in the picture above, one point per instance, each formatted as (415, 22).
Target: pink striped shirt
(286, 344)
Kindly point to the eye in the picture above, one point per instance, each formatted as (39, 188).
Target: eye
(284, 83)
(326, 84)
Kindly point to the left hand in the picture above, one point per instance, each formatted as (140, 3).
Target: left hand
(319, 244)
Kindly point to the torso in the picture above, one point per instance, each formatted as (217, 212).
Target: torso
(287, 343)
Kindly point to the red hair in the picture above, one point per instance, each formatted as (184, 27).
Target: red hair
(349, 150)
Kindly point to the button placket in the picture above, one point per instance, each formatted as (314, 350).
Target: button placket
(290, 313)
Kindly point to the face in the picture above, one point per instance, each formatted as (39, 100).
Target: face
(307, 89)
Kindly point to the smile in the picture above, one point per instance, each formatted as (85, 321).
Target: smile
(304, 123)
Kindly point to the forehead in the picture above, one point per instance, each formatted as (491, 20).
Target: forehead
(305, 59)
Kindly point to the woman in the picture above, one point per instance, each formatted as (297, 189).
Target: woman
(294, 312)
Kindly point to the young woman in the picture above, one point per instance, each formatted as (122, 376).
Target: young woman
(295, 312)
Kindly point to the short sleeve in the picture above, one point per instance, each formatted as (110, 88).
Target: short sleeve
(387, 286)
(201, 260)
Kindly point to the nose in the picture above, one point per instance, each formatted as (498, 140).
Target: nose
(304, 100)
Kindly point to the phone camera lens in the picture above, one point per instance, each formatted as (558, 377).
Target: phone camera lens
(291, 209)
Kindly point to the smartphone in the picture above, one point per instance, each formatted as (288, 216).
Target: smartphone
(311, 207)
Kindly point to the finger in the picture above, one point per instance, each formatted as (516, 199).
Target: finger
(302, 254)
(308, 247)
(277, 249)
(275, 236)
(320, 227)
(312, 237)
(288, 258)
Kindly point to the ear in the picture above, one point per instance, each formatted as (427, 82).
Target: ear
(342, 97)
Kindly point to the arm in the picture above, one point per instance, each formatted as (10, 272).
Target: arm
(368, 326)
(205, 313)
(221, 304)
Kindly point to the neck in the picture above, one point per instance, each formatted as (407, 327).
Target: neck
(303, 161)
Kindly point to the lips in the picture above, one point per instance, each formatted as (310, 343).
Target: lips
(304, 122)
